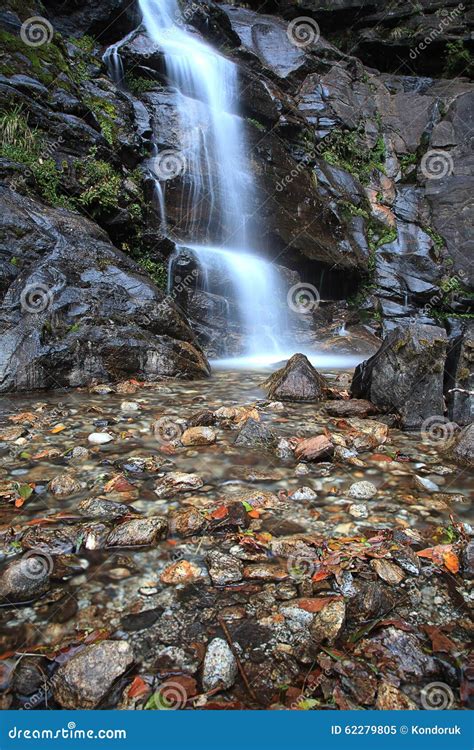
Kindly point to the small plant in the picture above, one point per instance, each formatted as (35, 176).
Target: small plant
(138, 85)
(100, 182)
(256, 124)
(457, 59)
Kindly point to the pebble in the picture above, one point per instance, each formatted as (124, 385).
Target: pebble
(362, 490)
(358, 510)
(302, 469)
(198, 436)
(303, 493)
(64, 485)
(182, 571)
(224, 568)
(129, 406)
(220, 666)
(423, 483)
(100, 438)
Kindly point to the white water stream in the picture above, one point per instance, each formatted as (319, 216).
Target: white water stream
(218, 177)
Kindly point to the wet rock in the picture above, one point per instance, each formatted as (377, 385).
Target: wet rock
(362, 490)
(304, 494)
(100, 438)
(329, 622)
(64, 485)
(137, 532)
(182, 571)
(129, 406)
(265, 572)
(140, 620)
(370, 600)
(314, 449)
(78, 455)
(204, 418)
(186, 522)
(424, 484)
(358, 510)
(353, 408)
(468, 560)
(96, 507)
(298, 380)
(463, 449)
(407, 650)
(366, 434)
(25, 579)
(388, 571)
(284, 448)
(406, 374)
(223, 568)
(255, 435)
(84, 680)
(28, 676)
(198, 436)
(390, 698)
(220, 666)
(175, 482)
(97, 301)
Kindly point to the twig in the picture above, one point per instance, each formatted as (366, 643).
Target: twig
(239, 663)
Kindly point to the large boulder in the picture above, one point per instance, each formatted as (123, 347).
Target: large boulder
(298, 380)
(459, 376)
(406, 374)
(463, 448)
(77, 309)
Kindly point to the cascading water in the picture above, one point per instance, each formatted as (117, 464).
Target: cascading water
(217, 179)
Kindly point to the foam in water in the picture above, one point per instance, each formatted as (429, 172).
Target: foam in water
(218, 177)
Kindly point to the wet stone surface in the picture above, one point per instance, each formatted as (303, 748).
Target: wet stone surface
(195, 545)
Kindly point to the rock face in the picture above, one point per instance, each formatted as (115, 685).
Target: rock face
(298, 380)
(255, 435)
(463, 449)
(459, 376)
(81, 310)
(84, 680)
(406, 374)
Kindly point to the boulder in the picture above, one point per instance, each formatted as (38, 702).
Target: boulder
(459, 376)
(463, 449)
(255, 435)
(84, 680)
(355, 407)
(406, 374)
(314, 449)
(298, 380)
(77, 309)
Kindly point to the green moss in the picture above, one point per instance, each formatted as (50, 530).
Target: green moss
(345, 149)
(86, 43)
(106, 115)
(438, 241)
(101, 184)
(138, 85)
(47, 61)
(156, 270)
(256, 124)
(48, 180)
(457, 59)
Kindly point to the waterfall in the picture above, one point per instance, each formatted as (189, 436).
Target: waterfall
(216, 178)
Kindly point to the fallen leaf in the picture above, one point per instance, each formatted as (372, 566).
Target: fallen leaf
(439, 641)
(138, 688)
(221, 512)
(451, 562)
(58, 428)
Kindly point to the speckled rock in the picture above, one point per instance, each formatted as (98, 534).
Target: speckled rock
(84, 680)
(137, 532)
(64, 485)
(362, 490)
(177, 481)
(220, 666)
(224, 568)
(327, 624)
(198, 436)
(26, 578)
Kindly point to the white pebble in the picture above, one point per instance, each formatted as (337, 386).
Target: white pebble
(100, 438)
(362, 490)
